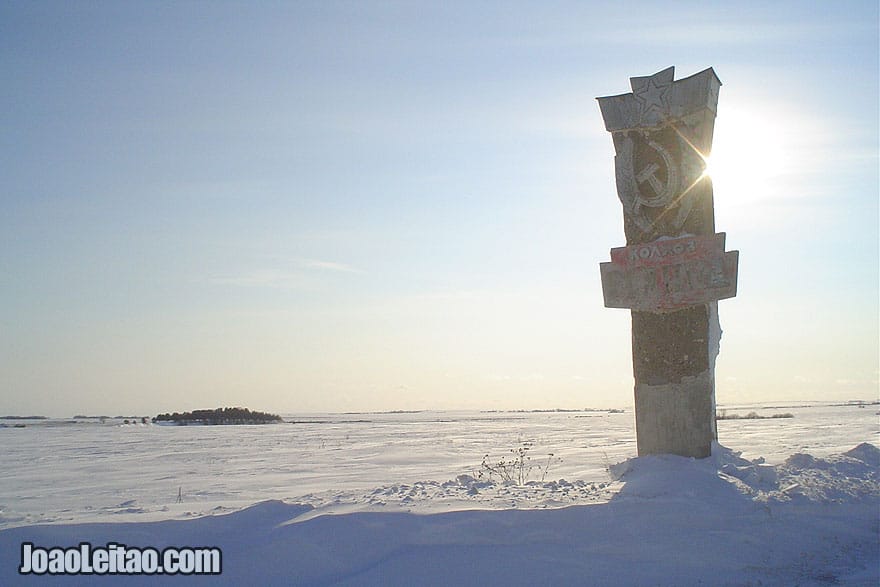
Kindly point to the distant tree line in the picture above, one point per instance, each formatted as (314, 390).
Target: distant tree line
(219, 416)
(723, 415)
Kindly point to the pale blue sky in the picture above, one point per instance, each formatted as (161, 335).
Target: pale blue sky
(398, 205)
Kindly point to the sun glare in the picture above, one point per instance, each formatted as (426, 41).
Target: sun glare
(748, 158)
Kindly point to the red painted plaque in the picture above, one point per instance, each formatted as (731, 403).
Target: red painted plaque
(670, 274)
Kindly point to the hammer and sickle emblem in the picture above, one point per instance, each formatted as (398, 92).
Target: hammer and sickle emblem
(663, 192)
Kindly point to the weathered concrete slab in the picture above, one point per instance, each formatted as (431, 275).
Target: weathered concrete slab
(662, 134)
(677, 418)
(657, 98)
(670, 274)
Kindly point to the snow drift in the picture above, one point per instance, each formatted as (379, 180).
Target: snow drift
(720, 521)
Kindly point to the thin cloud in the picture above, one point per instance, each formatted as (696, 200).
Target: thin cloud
(327, 266)
(303, 277)
(264, 279)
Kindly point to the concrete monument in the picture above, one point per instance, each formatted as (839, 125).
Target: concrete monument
(674, 268)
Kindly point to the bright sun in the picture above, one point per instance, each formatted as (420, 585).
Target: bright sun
(748, 158)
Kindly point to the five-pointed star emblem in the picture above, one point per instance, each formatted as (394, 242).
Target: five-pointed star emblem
(652, 96)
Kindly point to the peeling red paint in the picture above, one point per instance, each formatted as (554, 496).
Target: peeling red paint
(670, 274)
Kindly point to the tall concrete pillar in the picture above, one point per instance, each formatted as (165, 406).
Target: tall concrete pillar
(674, 267)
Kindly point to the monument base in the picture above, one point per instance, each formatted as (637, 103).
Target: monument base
(676, 418)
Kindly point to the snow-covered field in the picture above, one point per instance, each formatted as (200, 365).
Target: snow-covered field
(410, 507)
